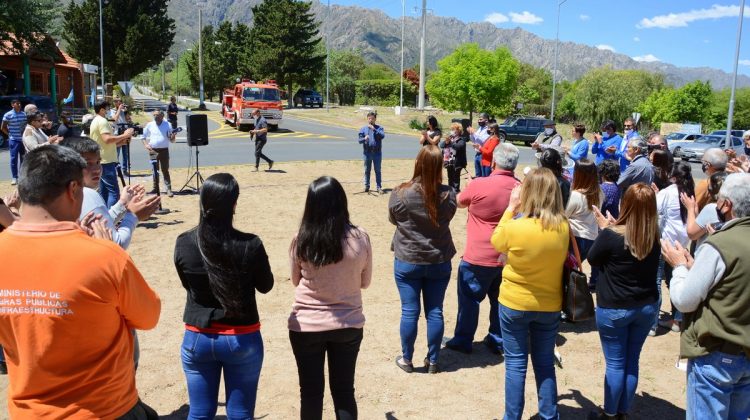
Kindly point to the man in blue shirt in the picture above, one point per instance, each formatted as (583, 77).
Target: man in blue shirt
(629, 134)
(371, 138)
(608, 144)
(14, 122)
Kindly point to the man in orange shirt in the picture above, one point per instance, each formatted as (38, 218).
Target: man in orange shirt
(65, 322)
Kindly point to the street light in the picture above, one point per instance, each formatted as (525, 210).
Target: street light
(403, 21)
(557, 52)
(328, 58)
(730, 117)
(421, 56)
(201, 105)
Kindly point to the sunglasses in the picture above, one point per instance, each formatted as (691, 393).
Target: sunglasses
(628, 126)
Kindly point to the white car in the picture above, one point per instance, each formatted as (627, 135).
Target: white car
(676, 141)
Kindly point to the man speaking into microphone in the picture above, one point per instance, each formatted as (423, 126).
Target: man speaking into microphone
(156, 138)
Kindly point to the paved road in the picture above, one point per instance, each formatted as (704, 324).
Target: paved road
(296, 140)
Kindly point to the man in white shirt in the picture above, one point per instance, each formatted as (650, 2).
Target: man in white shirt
(478, 137)
(156, 138)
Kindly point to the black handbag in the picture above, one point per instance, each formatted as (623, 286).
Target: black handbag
(578, 304)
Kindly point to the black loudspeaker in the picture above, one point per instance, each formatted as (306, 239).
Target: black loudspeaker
(197, 130)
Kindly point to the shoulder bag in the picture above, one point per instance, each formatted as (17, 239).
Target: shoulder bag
(578, 304)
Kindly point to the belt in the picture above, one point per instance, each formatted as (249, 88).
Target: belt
(734, 349)
(158, 149)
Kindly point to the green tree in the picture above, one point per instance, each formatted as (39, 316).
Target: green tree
(718, 109)
(22, 22)
(284, 40)
(472, 79)
(690, 103)
(534, 90)
(604, 94)
(378, 71)
(137, 34)
(215, 76)
(345, 68)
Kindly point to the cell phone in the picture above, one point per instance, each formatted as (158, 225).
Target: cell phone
(717, 225)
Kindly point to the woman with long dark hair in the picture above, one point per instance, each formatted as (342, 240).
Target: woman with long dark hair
(331, 261)
(433, 134)
(673, 223)
(422, 209)
(627, 255)
(585, 194)
(660, 160)
(553, 160)
(221, 268)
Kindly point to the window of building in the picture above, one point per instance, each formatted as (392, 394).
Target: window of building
(37, 82)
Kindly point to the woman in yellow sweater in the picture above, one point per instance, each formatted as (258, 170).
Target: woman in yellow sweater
(533, 234)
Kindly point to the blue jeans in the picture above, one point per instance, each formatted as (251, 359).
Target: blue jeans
(478, 165)
(373, 159)
(476, 282)
(622, 333)
(430, 282)
(718, 387)
(108, 186)
(124, 154)
(524, 333)
(17, 151)
(204, 356)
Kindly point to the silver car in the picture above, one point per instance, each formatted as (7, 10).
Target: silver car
(695, 150)
(678, 140)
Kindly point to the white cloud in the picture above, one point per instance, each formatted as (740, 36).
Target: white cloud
(676, 20)
(584, 18)
(496, 18)
(636, 39)
(744, 62)
(525, 18)
(605, 47)
(648, 58)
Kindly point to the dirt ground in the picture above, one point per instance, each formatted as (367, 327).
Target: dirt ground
(470, 386)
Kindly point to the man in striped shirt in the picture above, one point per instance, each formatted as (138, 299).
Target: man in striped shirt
(14, 122)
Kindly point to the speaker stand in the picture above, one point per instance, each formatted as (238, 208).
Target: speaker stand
(197, 175)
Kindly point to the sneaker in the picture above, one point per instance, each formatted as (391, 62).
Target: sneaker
(367, 189)
(652, 332)
(666, 323)
(169, 192)
(404, 365)
(380, 191)
(676, 326)
(13, 181)
(270, 165)
(431, 367)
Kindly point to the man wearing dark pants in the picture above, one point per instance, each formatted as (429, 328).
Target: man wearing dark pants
(479, 136)
(480, 271)
(14, 122)
(172, 110)
(101, 132)
(260, 131)
(156, 138)
(371, 138)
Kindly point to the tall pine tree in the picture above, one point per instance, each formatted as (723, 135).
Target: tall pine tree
(284, 37)
(137, 34)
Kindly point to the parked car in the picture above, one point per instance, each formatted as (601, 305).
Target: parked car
(736, 133)
(695, 150)
(521, 128)
(677, 140)
(307, 97)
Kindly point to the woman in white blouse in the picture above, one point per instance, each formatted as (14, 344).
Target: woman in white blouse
(33, 136)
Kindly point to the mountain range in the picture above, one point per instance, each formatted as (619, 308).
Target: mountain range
(378, 37)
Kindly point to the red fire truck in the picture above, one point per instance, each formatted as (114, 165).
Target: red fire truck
(238, 103)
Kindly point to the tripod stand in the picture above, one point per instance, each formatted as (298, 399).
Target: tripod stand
(197, 175)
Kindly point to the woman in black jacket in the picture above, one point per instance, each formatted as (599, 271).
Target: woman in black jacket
(221, 268)
(626, 252)
(454, 155)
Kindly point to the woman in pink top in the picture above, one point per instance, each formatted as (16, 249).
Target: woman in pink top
(331, 262)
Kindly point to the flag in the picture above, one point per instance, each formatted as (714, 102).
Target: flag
(69, 99)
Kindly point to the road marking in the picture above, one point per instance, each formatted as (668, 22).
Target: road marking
(227, 131)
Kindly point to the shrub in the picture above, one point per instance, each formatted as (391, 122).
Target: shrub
(418, 124)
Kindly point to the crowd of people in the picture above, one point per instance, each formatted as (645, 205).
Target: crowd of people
(630, 210)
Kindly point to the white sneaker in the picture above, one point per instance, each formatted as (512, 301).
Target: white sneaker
(13, 181)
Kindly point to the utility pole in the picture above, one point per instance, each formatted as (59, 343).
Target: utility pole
(101, 52)
(557, 52)
(421, 55)
(403, 21)
(163, 80)
(201, 105)
(730, 116)
(328, 57)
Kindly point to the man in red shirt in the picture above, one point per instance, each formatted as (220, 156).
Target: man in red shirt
(65, 321)
(480, 269)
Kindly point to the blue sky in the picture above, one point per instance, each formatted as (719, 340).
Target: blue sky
(688, 33)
